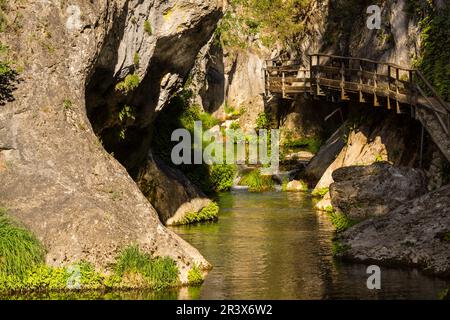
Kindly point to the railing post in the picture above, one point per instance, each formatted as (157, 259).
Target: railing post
(311, 74)
(389, 87)
(397, 91)
(375, 85)
(361, 96)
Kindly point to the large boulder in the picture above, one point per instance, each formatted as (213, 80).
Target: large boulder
(417, 233)
(170, 192)
(363, 191)
(378, 138)
(56, 177)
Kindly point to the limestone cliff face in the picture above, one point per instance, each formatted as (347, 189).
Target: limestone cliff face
(56, 177)
(231, 77)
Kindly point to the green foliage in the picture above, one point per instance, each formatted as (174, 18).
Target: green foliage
(284, 185)
(379, 158)
(340, 221)
(195, 276)
(20, 251)
(257, 182)
(130, 83)
(235, 125)
(446, 237)
(272, 19)
(194, 113)
(67, 104)
(222, 176)
(8, 76)
(126, 113)
(209, 213)
(339, 249)
(434, 60)
(320, 193)
(148, 27)
(311, 144)
(136, 60)
(135, 267)
(263, 121)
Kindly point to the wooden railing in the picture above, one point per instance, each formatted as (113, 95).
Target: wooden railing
(360, 79)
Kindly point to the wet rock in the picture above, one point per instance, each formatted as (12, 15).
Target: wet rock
(296, 186)
(417, 233)
(364, 191)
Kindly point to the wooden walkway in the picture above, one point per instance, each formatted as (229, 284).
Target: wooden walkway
(378, 84)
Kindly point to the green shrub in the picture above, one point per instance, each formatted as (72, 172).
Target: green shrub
(67, 104)
(209, 213)
(222, 176)
(135, 267)
(320, 193)
(339, 249)
(257, 182)
(193, 113)
(235, 126)
(263, 121)
(20, 251)
(311, 144)
(130, 83)
(195, 276)
(340, 221)
(284, 184)
(148, 27)
(136, 60)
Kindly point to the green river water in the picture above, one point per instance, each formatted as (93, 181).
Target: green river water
(275, 246)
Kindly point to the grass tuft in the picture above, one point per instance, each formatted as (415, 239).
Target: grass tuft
(320, 193)
(209, 213)
(257, 182)
(20, 251)
(195, 276)
(136, 268)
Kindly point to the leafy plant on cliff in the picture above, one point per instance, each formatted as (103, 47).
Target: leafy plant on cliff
(148, 27)
(8, 76)
(130, 83)
(274, 20)
(20, 251)
(434, 58)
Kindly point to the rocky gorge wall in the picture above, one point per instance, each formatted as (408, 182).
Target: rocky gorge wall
(57, 179)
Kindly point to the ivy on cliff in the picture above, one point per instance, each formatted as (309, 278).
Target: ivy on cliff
(434, 59)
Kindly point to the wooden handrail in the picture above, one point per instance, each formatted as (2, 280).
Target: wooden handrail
(362, 59)
(433, 91)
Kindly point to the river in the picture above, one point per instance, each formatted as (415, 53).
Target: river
(273, 246)
(276, 246)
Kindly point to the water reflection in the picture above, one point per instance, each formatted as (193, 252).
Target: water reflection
(275, 246)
